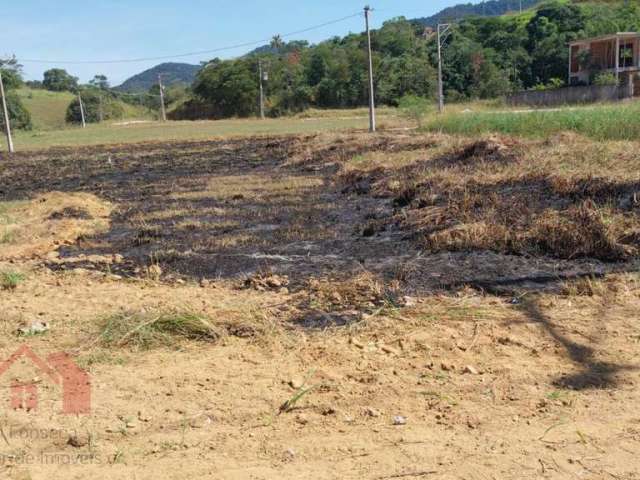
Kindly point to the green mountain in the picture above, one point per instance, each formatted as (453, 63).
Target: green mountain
(492, 8)
(172, 74)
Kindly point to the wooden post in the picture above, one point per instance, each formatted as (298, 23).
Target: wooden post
(618, 59)
(162, 107)
(261, 90)
(84, 123)
(372, 99)
(7, 120)
(442, 29)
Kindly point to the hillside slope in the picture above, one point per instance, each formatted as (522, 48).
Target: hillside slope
(172, 73)
(48, 109)
(492, 8)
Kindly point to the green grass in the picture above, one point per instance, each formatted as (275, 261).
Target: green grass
(600, 122)
(48, 109)
(114, 133)
(9, 280)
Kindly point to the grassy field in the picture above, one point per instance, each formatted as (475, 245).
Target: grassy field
(48, 109)
(125, 132)
(601, 122)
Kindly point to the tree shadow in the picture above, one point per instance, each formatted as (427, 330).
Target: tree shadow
(594, 373)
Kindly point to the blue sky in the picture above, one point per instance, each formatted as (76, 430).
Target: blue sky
(79, 30)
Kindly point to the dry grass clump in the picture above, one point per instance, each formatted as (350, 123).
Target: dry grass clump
(363, 292)
(488, 195)
(147, 330)
(582, 231)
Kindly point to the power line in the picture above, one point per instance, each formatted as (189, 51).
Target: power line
(190, 54)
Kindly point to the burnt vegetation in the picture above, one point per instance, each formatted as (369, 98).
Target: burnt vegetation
(431, 212)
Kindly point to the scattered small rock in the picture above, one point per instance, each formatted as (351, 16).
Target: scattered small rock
(78, 441)
(270, 282)
(372, 412)
(296, 383)
(302, 419)
(399, 420)
(448, 367)
(409, 301)
(471, 370)
(144, 418)
(36, 328)
(328, 411)
(389, 350)
(201, 421)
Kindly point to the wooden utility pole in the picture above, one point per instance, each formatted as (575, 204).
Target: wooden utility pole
(84, 123)
(442, 29)
(100, 110)
(372, 100)
(162, 107)
(261, 89)
(7, 121)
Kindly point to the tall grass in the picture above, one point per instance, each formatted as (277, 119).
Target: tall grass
(610, 122)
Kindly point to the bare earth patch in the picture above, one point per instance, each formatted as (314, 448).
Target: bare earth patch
(335, 306)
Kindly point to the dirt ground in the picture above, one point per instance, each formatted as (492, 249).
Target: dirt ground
(398, 306)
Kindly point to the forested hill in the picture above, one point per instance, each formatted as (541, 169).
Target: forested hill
(172, 74)
(492, 8)
(483, 57)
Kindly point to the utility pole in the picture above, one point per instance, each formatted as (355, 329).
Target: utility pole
(261, 89)
(7, 121)
(442, 29)
(162, 107)
(372, 100)
(100, 110)
(84, 123)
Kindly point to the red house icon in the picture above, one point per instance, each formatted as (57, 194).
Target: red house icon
(60, 369)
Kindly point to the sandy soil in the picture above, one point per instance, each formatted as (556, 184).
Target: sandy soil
(453, 364)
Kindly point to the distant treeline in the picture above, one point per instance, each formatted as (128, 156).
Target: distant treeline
(483, 58)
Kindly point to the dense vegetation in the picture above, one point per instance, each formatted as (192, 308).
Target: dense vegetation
(492, 8)
(98, 106)
(12, 80)
(483, 58)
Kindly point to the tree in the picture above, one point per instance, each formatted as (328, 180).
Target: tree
(97, 106)
(277, 43)
(549, 31)
(100, 81)
(58, 80)
(11, 73)
(19, 115)
(231, 87)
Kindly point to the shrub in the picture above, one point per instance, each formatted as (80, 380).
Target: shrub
(93, 102)
(553, 84)
(19, 115)
(605, 78)
(415, 108)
